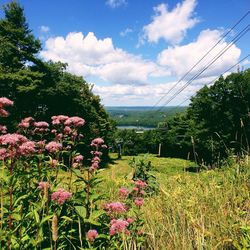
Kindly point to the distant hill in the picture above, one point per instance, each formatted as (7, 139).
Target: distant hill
(141, 115)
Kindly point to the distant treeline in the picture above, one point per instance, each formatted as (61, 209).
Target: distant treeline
(142, 116)
(215, 125)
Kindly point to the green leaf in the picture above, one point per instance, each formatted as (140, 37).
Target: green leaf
(81, 211)
(66, 218)
(36, 216)
(46, 219)
(16, 217)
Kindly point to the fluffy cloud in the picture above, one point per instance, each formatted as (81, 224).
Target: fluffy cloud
(145, 95)
(179, 59)
(170, 25)
(89, 56)
(116, 3)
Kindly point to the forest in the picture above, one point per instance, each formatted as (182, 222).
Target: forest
(70, 179)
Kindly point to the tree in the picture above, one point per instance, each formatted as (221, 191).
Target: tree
(222, 117)
(43, 89)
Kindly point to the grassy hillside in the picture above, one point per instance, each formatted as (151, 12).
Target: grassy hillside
(207, 210)
(141, 116)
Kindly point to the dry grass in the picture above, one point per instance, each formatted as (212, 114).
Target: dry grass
(193, 211)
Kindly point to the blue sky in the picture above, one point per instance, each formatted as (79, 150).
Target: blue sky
(134, 51)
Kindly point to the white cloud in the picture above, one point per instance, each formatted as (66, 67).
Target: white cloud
(89, 56)
(44, 29)
(180, 59)
(170, 25)
(146, 95)
(116, 3)
(125, 32)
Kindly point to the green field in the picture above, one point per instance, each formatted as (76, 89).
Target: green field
(207, 210)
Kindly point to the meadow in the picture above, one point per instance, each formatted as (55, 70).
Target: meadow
(206, 210)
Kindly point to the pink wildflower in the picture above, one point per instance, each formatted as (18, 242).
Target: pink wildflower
(78, 158)
(140, 184)
(96, 159)
(53, 162)
(41, 124)
(26, 122)
(43, 185)
(60, 196)
(91, 235)
(60, 119)
(3, 129)
(97, 142)
(118, 226)
(3, 154)
(96, 153)
(130, 220)
(4, 113)
(115, 207)
(74, 121)
(123, 193)
(67, 130)
(5, 102)
(27, 148)
(12, 139)
(94, 166)
(53, 146)
(139, 202)
(59, 136)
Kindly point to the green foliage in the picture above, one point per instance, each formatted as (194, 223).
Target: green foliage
(142, 172)
(43, 89)
(214, 127)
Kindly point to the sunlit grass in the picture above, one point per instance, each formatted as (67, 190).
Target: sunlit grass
(193, 210)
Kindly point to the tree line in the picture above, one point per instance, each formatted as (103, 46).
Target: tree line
(215, 125)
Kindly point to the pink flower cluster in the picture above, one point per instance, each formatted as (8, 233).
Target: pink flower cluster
(53, 146)
(3, 129)
(140, 183)
(124, 193)
(91, 235)
(97, 142)
(115, 208)
(60, 196)
(15, 145)
(74, 121)
(59, 119)
(78, 158)
(118, 226)
(27, 148)
(26, 122)
(139, 201)
(41, 127)
(3, 103)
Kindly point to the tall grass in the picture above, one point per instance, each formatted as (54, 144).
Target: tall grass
(207, 210)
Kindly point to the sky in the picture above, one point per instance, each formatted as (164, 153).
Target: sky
(136, 52)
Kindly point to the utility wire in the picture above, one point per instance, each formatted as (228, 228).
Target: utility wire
(221, 39)
(229, 69)
(215, 58)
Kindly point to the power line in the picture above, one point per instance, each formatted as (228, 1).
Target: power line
(229, 69)
(215, 58)
(221, 39)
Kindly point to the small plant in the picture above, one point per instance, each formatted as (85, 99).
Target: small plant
(142, 172)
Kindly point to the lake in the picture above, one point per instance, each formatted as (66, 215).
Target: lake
(135, 127)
